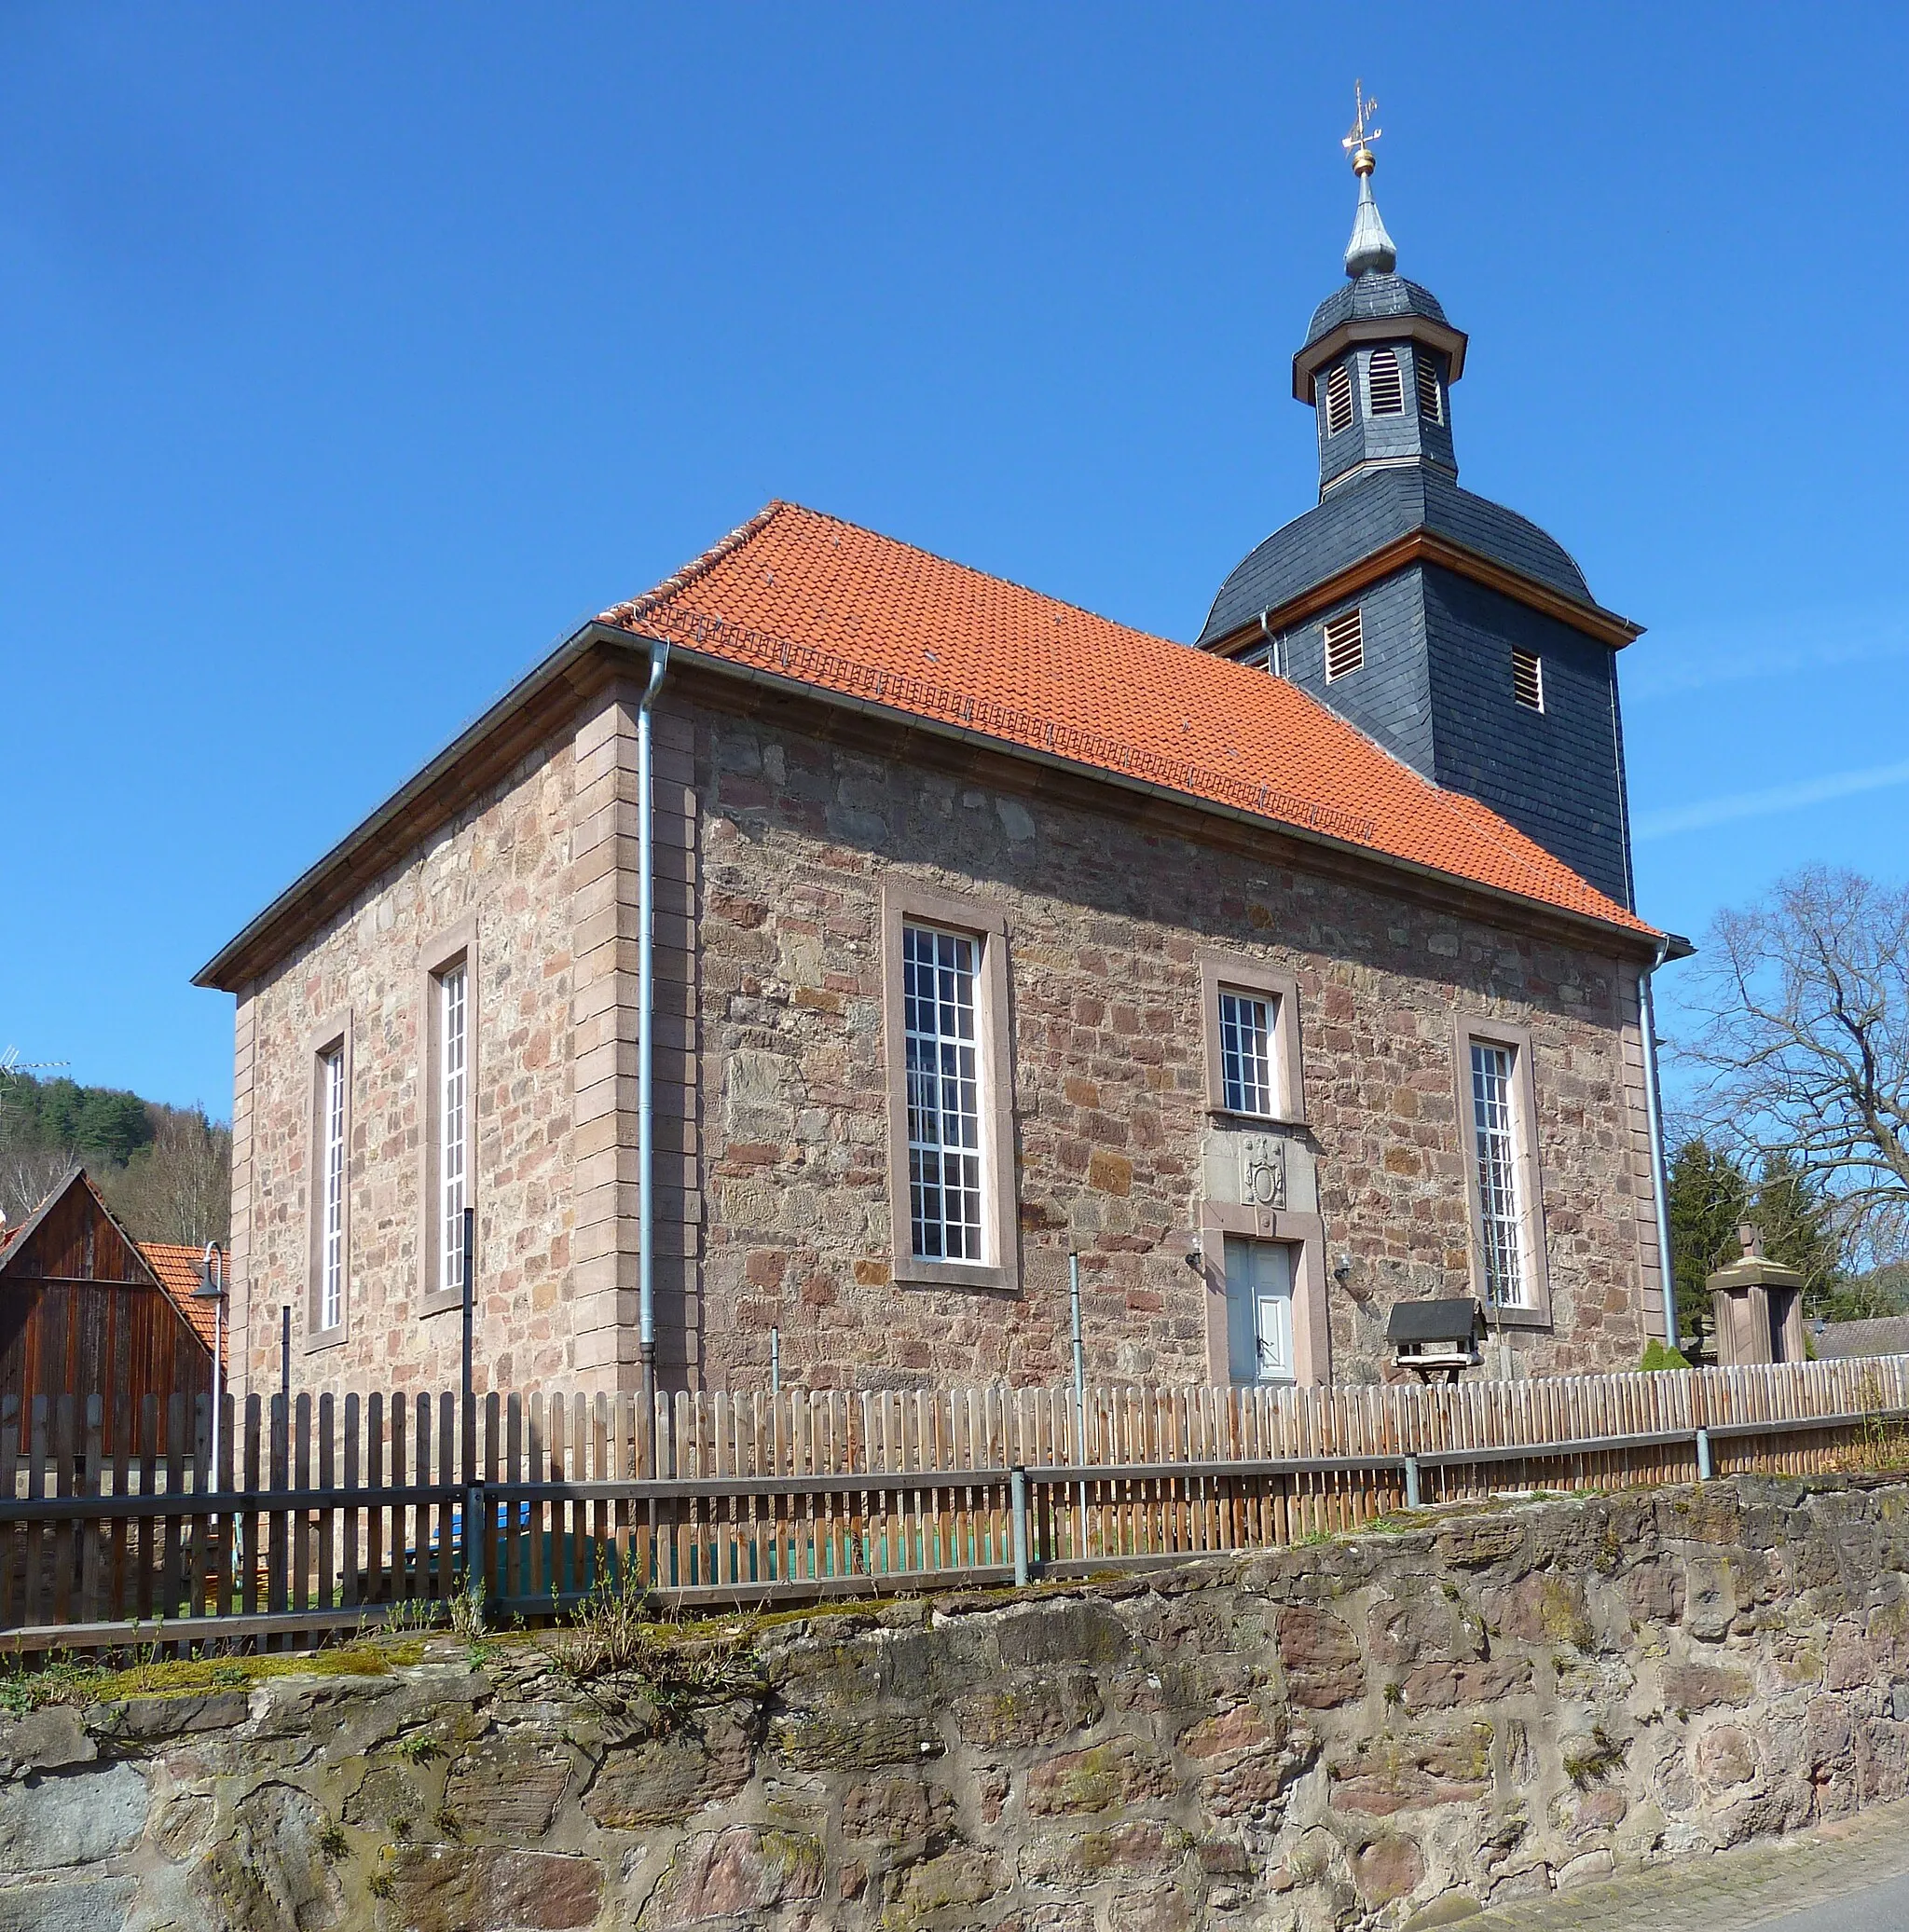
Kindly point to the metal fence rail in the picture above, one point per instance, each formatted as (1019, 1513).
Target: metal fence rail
(331, 1510)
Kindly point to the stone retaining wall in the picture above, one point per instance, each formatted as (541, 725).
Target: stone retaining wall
(1478, 1707)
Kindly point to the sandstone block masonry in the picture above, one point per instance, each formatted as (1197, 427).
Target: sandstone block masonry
(778, 832)
(1108, 914)
(1486, 1708)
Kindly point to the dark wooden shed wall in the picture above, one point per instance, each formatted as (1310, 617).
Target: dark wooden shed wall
(79, 1315)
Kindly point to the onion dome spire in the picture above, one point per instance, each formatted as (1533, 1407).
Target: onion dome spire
(1371, 250)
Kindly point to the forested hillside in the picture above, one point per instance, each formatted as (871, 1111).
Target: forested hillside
(166, 1172)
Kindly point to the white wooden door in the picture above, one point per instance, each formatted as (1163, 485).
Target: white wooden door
(1259, 1309)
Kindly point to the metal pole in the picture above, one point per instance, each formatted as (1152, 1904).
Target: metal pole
(214, 1264)
(1654, 1114)
(473, 1504)
(775, 1361)
(218, 1351)
(1080, 1384)
(285, 1353)
(1703, 1456)
(1017, 1487)
(470, 1304)
(1411, 1482)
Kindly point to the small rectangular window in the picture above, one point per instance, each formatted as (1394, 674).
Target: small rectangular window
(453, 1101)
(1501, 1203)
(1338, 401)
(1430, 406)
(1345, 645)
(1528, 680)
(1250, 1020)
(1245, 1052)
(331, 1224)
(1384, 384)
(944, 1097)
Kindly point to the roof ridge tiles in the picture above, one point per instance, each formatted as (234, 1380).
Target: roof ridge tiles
(628, 612)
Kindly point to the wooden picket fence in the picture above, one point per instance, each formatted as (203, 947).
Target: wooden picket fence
(327, 1514)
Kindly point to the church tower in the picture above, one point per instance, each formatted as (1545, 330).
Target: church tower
(1452, 631)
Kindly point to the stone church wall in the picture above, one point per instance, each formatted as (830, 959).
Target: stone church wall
(774, 845)
(501, 870)
(1481, 1709)
(1106, 920)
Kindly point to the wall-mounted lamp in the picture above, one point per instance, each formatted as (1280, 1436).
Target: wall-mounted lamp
(1342, 1271)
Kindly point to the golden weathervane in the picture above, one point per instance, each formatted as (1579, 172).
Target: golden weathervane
(1358, 144)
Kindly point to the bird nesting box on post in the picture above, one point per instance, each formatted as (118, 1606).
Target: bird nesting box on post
(1757, 1306)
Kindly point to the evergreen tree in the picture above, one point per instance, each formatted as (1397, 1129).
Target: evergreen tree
(1708, 1197)
(1796, 1220)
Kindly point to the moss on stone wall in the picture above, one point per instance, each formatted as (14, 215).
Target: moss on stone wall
(1479, 1706)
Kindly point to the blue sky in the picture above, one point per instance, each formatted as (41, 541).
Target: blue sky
(349, 354)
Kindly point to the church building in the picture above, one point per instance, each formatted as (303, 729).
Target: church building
(833, 941)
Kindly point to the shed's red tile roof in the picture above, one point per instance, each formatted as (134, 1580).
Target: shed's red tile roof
(176, 1268)
(809, 597)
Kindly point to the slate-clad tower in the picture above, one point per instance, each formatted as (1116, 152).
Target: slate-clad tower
(1455, 633)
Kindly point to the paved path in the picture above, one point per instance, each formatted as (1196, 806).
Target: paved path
(1851, 1876)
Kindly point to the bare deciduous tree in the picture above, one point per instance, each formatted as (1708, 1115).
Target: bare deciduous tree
(1803, 1045)
(28, 1175)
(179, 1188)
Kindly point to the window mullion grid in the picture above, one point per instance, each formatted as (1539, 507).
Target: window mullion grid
(454, 1098)
(943, 1098)
(331, 1298)
(1499, 1208)
(1245, 1033)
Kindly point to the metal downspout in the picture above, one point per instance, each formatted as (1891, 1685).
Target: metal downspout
(646, 1036)
(1272, 645)
(1647, 1019)
(1660, 1174)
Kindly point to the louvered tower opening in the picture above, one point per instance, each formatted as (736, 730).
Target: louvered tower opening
(1338, 401)
(1387, 387)
(1528, 680)
(1345, 645)
(1430, 408)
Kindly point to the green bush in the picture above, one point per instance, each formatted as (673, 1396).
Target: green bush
(1657, 1357)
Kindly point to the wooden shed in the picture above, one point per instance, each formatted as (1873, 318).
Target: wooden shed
(85, 1309)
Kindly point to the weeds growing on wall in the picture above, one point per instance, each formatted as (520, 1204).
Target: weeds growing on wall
(1882, 1442)
(614, 1633)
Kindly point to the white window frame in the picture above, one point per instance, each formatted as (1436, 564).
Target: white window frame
(940, 1031)
(331, 1181)
(1225, 975)
(995, 1264)
(1500, 1182)
(452, 1099)
(327, 1302)
(448, 1103)
(1247, 1023)
(1511, 1143)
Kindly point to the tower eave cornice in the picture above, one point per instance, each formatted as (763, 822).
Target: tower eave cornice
(1423, 546)
(1450, 342)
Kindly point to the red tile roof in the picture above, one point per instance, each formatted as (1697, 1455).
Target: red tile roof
(176, 1268)
(825, 603)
